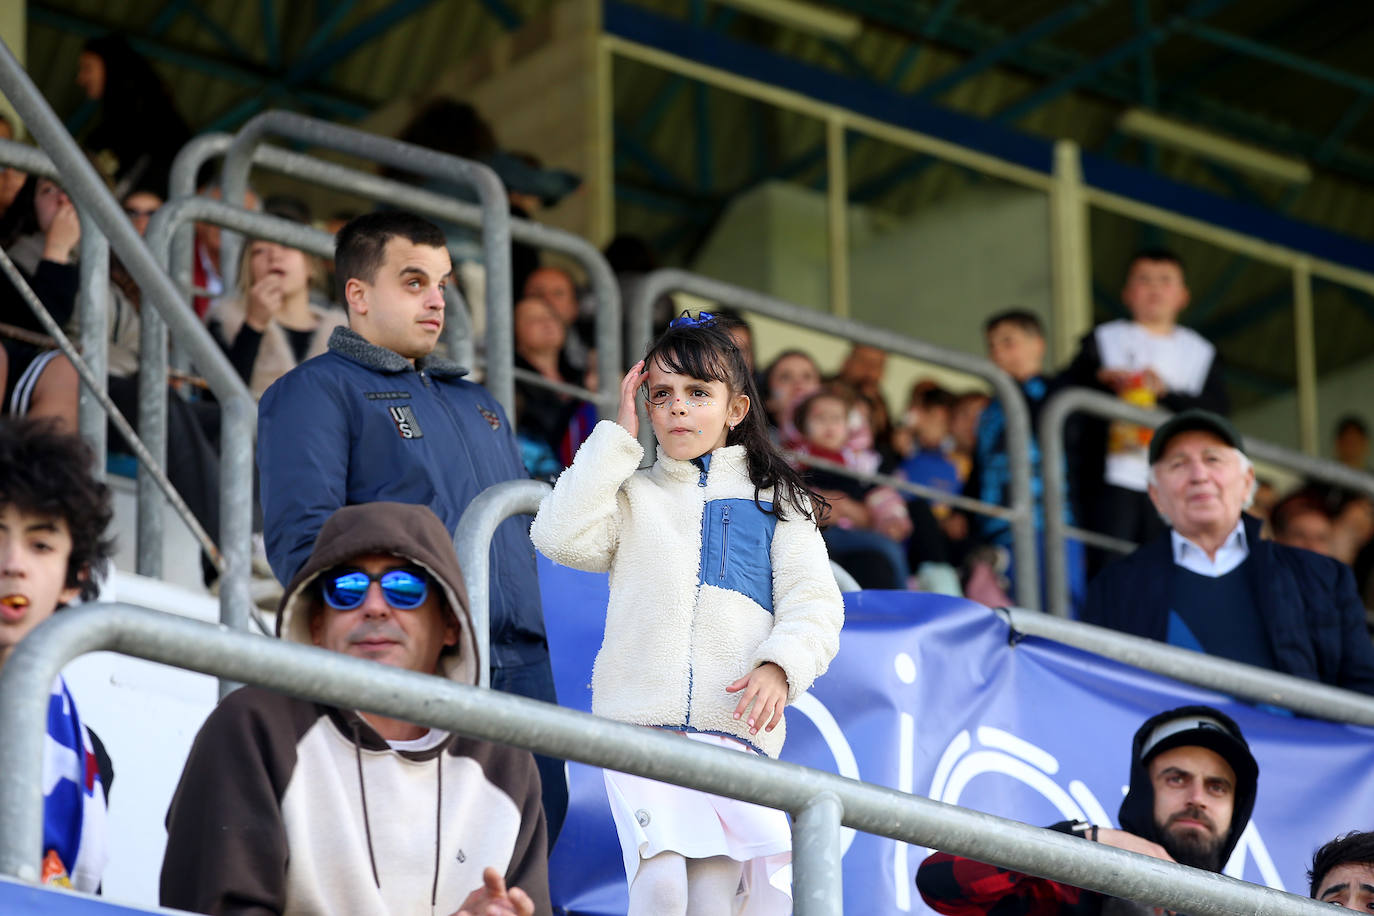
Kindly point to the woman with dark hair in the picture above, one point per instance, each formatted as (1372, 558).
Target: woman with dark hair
(139, 131)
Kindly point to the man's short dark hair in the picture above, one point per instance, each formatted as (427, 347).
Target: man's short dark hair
(360, 246)
(1023, 319)
(46, 472)
(1158, 253)
(1356, 847)
(1286, 510)
(1349, 422)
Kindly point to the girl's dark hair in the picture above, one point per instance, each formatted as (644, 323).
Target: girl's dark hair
(705, 351)
(46, 472)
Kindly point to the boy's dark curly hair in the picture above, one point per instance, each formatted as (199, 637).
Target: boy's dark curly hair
(1356, 847)
(44, 471)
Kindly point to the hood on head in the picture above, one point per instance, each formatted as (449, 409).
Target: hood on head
(1189, 726)
(411, 532)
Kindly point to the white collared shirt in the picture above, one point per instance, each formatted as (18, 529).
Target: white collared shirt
(1230, 554)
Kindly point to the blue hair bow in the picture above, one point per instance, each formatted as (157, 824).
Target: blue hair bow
(685, 320)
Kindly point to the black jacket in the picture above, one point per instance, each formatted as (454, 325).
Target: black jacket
(1311, 609)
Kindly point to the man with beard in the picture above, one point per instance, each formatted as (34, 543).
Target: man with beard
(1192, 790)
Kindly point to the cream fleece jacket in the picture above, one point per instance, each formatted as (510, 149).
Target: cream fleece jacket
(674, 638)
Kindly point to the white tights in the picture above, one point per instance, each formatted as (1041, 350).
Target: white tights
(670, 884)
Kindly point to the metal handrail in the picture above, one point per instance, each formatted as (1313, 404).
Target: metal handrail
(239, 415)
(1245, 682)
(1018, 434)
(1100, 404)
(431, 204)
(820, 801)
(472, 541)
(495, 209)
(457, 333)
(609, 326)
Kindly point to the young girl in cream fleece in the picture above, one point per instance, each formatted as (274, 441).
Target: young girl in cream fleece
(723, 609)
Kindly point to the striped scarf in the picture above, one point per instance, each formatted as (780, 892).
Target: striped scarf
(73, 799)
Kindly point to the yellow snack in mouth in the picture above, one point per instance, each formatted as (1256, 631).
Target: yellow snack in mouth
(14, 601)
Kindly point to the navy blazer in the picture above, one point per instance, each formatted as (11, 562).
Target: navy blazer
(1311, 609)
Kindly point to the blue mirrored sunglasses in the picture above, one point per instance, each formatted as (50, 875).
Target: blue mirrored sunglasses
(345, 590)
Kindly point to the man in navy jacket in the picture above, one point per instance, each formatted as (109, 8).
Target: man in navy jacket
(1212, 585)
(377, 417)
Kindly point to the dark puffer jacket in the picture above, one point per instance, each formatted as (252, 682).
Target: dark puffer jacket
(360, 424)
(1312, 613)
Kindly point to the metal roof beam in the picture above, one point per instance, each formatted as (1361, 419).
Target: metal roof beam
(1111, 58)
(1273, 55)
(271, 37)
(503, 13)
(929, 29)
(340, 48)
(994, 55)
(1353, 115)
(245, 75)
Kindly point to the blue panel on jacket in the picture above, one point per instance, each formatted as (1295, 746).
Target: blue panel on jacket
(736, 545)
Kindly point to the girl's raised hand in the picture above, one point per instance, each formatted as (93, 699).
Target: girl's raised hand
(629, 386)
(766, 688)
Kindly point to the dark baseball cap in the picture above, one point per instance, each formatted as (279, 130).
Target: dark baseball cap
(1188, 421)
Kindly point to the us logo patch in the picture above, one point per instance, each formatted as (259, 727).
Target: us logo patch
(406, 424)
(490, 416)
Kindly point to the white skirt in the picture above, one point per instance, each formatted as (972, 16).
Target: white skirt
(653, 817)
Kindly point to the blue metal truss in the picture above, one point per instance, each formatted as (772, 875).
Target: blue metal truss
(994, 55)
(503, 13)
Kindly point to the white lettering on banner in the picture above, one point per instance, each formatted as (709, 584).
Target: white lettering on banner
(905, 666)
(1033, 767)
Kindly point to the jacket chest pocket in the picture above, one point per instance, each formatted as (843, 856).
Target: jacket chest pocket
(736, 541)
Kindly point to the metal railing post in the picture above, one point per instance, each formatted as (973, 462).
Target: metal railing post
(152, 429)
(495, 206)
(336, 679)
(1100, 404)
(1018, 434)
(817, 880)
(472, 541)
(93, 322)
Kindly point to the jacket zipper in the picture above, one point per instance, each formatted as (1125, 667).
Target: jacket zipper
(724, 540)
(701, 483)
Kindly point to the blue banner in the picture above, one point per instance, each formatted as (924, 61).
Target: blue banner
(937, 696)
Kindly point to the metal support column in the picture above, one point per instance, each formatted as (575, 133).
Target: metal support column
(1071, 257)
(472, 541)
(152, 429)
(837, 215)
(93, 321)
(1305, 343)
(817, 880)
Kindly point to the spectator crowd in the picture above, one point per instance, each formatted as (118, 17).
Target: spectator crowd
(373, 442)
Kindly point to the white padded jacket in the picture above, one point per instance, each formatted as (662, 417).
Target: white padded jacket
(705, 587)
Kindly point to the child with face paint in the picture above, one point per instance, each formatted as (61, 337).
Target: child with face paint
(722, 610)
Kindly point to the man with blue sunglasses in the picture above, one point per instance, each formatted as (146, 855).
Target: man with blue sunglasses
(287, 806)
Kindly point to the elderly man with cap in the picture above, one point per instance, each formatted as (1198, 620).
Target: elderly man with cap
(1193, 784)
(1212, 585)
